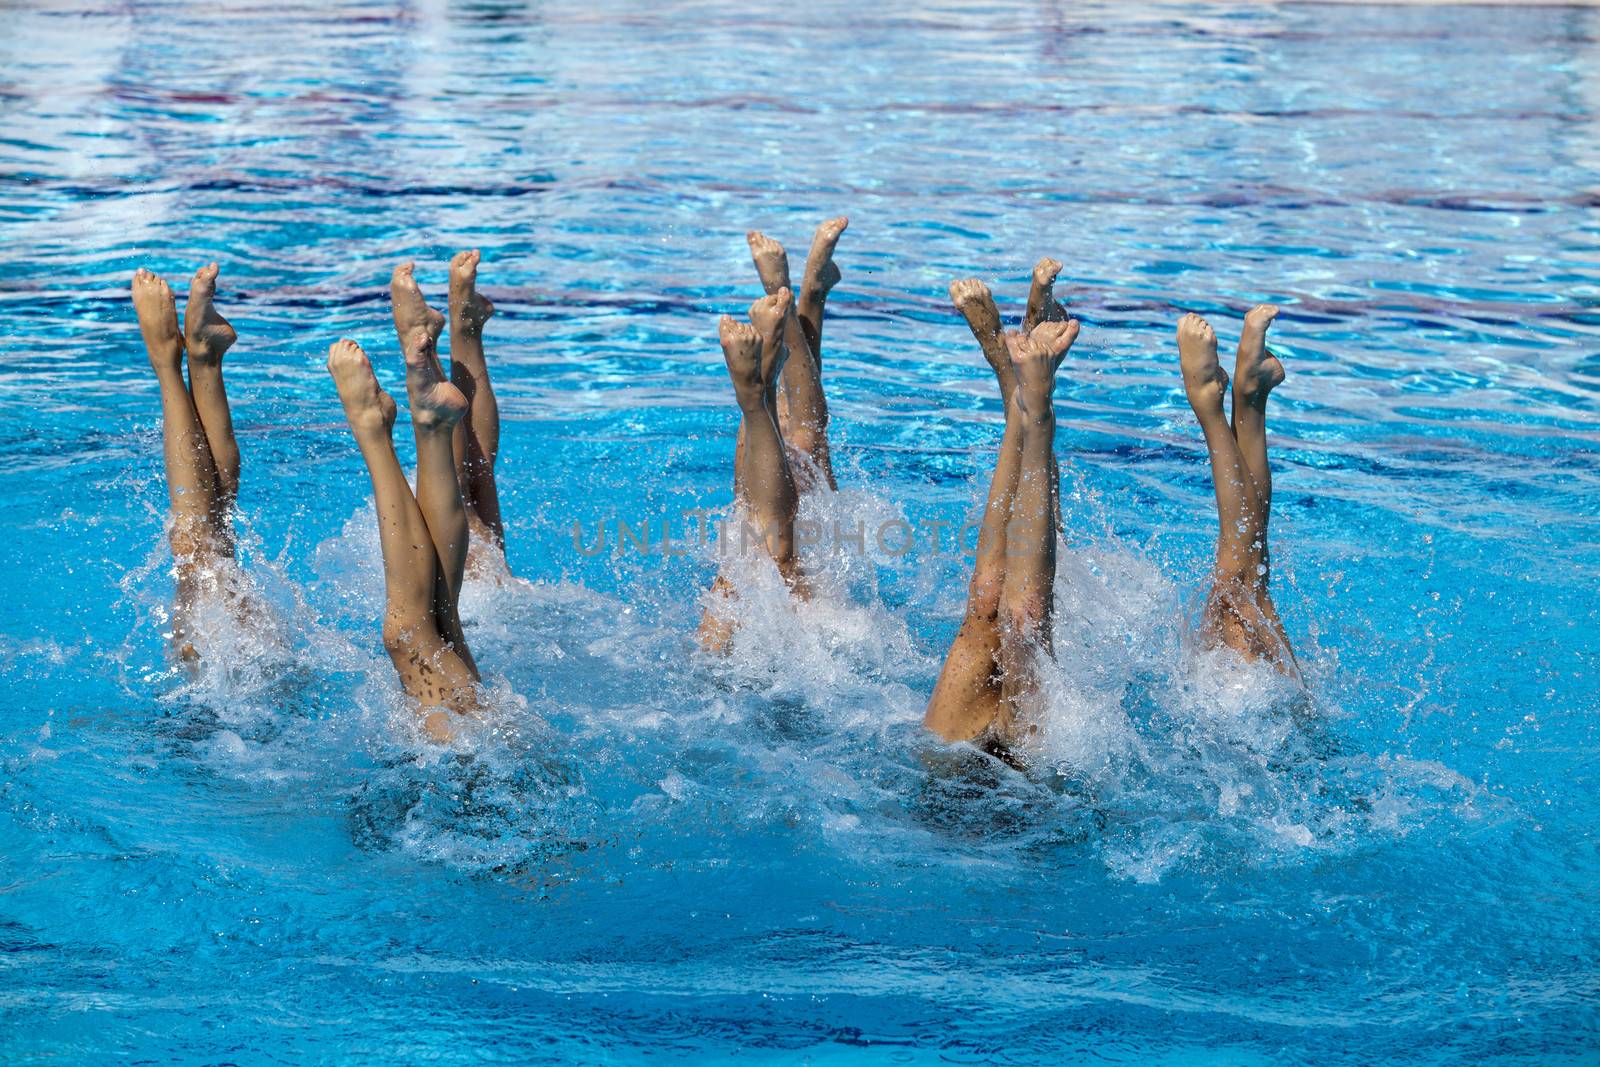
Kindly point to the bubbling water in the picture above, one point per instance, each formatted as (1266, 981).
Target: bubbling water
(1154, 754)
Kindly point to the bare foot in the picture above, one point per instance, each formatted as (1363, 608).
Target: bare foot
(435, 403)
(741, 349)
(1035, 357)
(469, 309)
(206, 333)
(1204, 380)
(1257, 371)
(976, 304)
(157, 312)
(369, 409)
(410, 309)
(1042, 304)
(822, 274)
(768, 315)
(772, 262)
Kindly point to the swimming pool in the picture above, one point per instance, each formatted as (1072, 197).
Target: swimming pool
(768, 856)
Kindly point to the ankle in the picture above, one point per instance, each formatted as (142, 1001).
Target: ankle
(204, 361)
(1038, 410)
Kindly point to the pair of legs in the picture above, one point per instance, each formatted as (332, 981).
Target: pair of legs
(988, 685)
(424, 534)
(781, 449)
(1239, 612)
(201, 454)
(802, 408)
(763, 479)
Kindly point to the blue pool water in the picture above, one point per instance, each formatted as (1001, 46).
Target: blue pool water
(767, 857)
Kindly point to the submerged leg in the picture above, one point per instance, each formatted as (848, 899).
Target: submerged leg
(479, 438)
(1028, 606)
(966, 698)
(804, 413)
(431, 669)
(755, 353)
(1231, 614)
(207, 336)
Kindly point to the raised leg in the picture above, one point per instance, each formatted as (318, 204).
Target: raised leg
(437, 408)
(478, 439)
(821, 275)
(1028, 605)
(966, 698)
(208, 336)
(1256, 373)
(431, 668)
(191, 472)
(804, 411)
(755, 353)
(1044, 307)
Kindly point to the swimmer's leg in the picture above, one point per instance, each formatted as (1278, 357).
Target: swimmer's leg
(1256, 373)
(1028, 606)
(803, 416)
(207, 336)
(430, 668)
(966, 698)
(437, 407)
(1231, 615)
(755, 353)
(478, 438)
(199, 534)
(1044, 307)
(418, 327)
(411, 311)
(821, 275)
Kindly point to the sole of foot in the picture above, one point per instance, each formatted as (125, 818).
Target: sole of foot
(822, 274)
(741, 350)
(1257, 371)
(157, 312)
(1035, 357)
(436, 404)
(206, 334)
(410, 309)
(768, 316)
(772, 262)
(469, 308)
(367, 407)
(1204, 380)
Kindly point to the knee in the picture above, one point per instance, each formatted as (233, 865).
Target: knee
(983, 600)
(1024, 616)
(404, 633)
